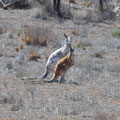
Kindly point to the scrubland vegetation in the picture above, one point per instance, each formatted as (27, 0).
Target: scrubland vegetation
(30, 30)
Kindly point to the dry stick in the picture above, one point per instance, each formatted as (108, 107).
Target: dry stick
(9, 4)
(22, 78)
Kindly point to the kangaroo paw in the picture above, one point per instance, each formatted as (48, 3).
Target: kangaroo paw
(62, 81)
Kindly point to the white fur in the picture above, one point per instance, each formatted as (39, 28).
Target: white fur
(57, 55)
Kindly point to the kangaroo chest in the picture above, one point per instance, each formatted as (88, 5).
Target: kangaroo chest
(68, 64)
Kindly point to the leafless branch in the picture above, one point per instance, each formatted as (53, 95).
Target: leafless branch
(8, 3)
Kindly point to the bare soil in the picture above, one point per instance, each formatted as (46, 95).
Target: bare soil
(92, 88)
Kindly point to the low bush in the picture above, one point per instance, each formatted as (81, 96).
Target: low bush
(33, 56)
(21, 46)
(2, 30)
(66, 12)
(72, 1)
(73, 32)
(104, 116)
(116, 32)
(17, 49)
(15, 4)
(37, 36)
(49, 10)
(22, 5)
(101, 116)
(42, 1)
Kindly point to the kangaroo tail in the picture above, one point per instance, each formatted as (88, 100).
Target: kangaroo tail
(52, 80)
(45, 74)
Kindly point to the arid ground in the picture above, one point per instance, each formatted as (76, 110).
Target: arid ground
(92, 88)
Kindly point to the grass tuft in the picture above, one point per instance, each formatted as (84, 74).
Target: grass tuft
(37, 36)
(116, 32)
(81, 46)
(2, 30)
(21, 46)
(42, 2)
(65, 10)
(72, 1)
(73, 32)
(17, 49)
(33, 56)
(78, 45)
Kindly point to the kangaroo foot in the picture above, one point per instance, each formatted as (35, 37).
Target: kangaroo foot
(62, 81)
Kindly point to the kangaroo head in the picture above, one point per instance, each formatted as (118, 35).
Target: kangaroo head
(71, 49)
(68, 39)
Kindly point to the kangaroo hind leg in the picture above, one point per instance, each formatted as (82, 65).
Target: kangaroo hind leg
(62, 80)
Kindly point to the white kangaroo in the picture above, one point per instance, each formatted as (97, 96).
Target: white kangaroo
(57, 55)
(62, 66)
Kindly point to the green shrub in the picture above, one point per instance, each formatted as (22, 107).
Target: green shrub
(78, 45)
(81, 46)
(116, 32)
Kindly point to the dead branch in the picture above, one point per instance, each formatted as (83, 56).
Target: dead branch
(9, 3)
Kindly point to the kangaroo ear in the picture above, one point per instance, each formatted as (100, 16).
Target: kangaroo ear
(65, 35)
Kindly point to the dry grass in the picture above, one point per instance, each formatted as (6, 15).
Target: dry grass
(37, 36)
(73, 32)
(72, 1)
(48, 9)
(33, 56)
(101, 116)
(47, 54)
(104, 116)
(26, 40)
(97, 55)
(21, 46)
(88, 4)
(2, 30)
(65, 10)
(24, 4)
(42, 2)
(17, 49)
(8, 119)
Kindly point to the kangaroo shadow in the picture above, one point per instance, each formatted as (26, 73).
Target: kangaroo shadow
(40, 81)
(33, 81)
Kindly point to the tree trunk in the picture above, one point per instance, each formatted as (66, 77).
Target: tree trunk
(56, 4)
(101, 5)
